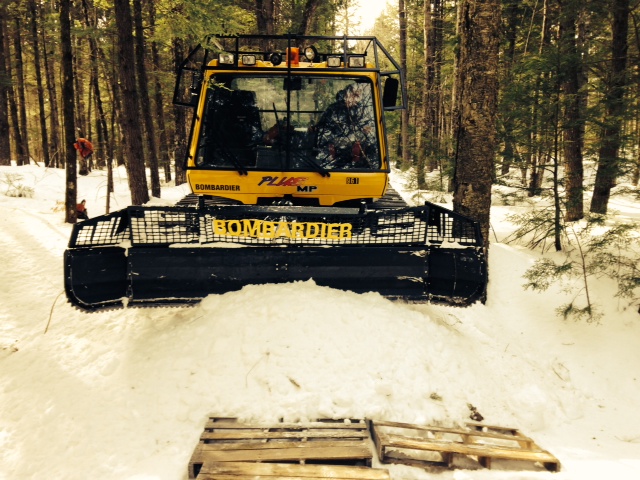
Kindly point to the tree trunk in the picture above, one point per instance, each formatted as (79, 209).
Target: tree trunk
(435, 91)
(635, 174)
(16, 133)
(572, 125)
(164, 159)
(68, 111)
(145, 103)
(403, 65)
(130, 107)
(33, 10)
(79, 81)
(180, 133)
(425, 138)
(541, 118)
(608, 163)
(82, 123)
(511, 13)
(265, 12)
(475, 109)
(104, 152)
(5, 81)
(54, 115)
(308, 15)
(22, 106)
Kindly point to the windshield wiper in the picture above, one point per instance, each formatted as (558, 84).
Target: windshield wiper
(229, 156)
(309, 161)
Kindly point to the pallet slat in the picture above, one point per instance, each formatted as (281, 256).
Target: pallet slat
(272, 471)
(277, 453)
(259, 434)
(230, 425)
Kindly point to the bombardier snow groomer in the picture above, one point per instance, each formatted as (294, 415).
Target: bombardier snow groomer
(289, 171)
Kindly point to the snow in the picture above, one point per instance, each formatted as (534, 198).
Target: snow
(124, 394)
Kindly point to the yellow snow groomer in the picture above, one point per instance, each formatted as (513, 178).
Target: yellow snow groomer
(289, 171)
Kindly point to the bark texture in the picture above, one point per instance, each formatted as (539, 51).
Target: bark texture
(608, 162)
(571, 126)
(130, 108)
(475, 109)
(68, 112)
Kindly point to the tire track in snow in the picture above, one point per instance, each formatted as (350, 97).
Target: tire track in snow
(32, 250)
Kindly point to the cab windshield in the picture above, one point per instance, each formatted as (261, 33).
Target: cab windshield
(289, 123)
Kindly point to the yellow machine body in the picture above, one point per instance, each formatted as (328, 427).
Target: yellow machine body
(247, 173)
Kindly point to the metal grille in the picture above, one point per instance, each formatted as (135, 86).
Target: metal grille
(246, 225)
(110, 229)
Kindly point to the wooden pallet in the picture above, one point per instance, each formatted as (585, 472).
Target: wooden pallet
(227, 445)
(428, 446)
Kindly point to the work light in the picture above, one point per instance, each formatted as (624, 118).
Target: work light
(248, 60)
(310, 53)
(333, 61)
(356, 61)
(276, 59)
(225, 58)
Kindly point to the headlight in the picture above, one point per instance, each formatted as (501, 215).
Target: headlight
(334, 61)
(356, 62)
(310, 53)
(248, 60)
(225, 58)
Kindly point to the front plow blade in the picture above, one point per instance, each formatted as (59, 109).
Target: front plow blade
(181, 255)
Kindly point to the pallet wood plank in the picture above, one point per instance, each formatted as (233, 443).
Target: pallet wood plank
(260, 477)
(282, 454)
(281, 426)
(275, 445)
(303, 434)
(289, 471)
